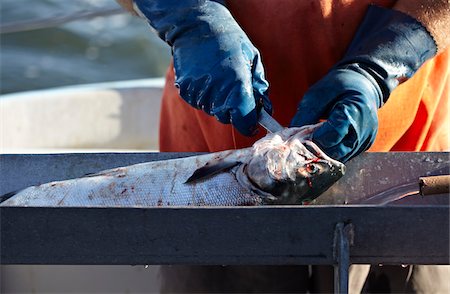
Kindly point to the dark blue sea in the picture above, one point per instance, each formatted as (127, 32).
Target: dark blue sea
(118, 47)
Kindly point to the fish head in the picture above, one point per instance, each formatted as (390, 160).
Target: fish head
(292, 169)
(315, 177)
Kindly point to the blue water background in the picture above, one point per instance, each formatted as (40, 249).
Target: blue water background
(119, 47)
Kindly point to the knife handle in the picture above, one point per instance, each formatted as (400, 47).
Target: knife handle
(434, 185)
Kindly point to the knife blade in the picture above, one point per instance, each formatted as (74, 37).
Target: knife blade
(268, 122)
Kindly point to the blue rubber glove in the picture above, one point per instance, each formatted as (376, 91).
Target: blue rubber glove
(387, 49)
(217, 68)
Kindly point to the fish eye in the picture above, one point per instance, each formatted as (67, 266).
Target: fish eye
(311, 168)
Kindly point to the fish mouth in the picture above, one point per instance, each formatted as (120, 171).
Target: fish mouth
(340, 168)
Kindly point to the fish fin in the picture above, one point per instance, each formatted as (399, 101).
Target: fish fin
(97, 174)
(8, 195)
(211, 168)
(107, 172)
(88, 175)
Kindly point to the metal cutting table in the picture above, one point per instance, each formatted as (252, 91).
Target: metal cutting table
(414, 230)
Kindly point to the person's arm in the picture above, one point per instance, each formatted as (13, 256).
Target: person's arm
(434, 15)
(217, 68)
(389, 46)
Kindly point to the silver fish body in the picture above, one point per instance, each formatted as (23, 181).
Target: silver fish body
(278, 169)
(159, 183)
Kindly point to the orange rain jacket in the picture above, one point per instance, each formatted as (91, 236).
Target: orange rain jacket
(299, 42)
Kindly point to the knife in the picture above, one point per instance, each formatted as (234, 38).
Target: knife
(265, 120)
(268, 122)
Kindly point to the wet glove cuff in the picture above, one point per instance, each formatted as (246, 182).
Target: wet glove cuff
(388, 48)
(169, 16)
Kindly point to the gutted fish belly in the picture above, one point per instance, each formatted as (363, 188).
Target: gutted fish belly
(281, 168)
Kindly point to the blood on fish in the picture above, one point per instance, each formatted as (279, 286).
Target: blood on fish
(278, 169)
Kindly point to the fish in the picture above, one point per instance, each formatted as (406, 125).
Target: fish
(285, 167)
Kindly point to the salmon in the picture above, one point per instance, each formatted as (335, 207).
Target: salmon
(282, 168)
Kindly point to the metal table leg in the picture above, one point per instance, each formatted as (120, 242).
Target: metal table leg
(343, 238)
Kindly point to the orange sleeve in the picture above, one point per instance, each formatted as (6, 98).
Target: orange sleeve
(299, 42)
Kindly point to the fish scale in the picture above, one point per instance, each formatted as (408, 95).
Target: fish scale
(160, 183)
